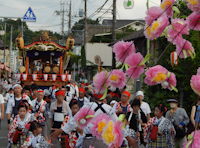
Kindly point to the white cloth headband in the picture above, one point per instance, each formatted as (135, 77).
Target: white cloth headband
(17, 85)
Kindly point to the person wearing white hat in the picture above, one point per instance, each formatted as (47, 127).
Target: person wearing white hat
(15, 101)
(9, 93)
(144, 106)
(68, 94)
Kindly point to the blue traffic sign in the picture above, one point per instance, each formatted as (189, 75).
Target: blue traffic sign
(29, 16)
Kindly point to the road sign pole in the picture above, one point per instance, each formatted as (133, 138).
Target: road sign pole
(22, 30)
(74, 73)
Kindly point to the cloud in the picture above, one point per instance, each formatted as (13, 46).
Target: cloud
(47, 19)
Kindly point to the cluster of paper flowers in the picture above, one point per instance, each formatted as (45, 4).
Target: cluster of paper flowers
(104, 128)
(157, 24)
(160, 75)
(133, 62)
(194, 5)
(193, 140)
(84, 116)
(195, 82)
(116, 78)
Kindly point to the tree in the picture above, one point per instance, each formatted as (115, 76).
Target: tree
(183, 71)
(28, 34)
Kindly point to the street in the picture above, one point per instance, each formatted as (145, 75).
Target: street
(3, 131)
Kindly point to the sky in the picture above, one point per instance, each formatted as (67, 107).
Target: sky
(47, 19)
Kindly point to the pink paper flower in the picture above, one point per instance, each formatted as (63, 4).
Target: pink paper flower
(99, 80)
(194, 21)
(167, 5)
(123, 49)
(117, 78)
(198, 71)
(99, 123)
(118, 132)
(186, 46)
(196, 141)
(176, 29)
(91, 146)
(155, 75)
(194, 5)
(157, 27)
(153, 14)
(84, 116)
(195, 83)
(133, 61)
(171, 81)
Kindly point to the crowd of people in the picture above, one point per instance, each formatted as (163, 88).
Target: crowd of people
(45, 118)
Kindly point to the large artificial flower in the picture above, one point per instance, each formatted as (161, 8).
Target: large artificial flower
(123, 49)
(84, 116)
(195, 84)
(156, 28)
(108, 134)
(176, 29)
(193, 140)
(153, 14)
(194, 5)
(117, 78)
(167, 6)
(198, 71)
(185, 49)
(118, 132)
(155, 75)
(99, 123)
(170, 81)
(135, 70)
(194, 21)
(100, 81)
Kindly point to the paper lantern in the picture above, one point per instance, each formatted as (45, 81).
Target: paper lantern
(69, 77)
(34, 76)
(24, 76)
(174, 58)
(45, 77)
(19, 42)
(54, 77)
(63, 77)
(69, 43)
(18, 76)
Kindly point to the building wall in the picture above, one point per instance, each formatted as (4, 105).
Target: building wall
(101, 49)
(96, 29)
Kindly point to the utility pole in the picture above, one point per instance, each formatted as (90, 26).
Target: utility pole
(70, 5)
(63, 12)
(85, 30)
(11, 38)
(114, 32)
(5, 45)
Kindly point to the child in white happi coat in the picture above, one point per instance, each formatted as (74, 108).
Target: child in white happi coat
(17, 132)
(35, 139)
(58, 110)
(41, 111)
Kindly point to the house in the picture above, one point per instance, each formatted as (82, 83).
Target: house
(106, 27)
(77, 45)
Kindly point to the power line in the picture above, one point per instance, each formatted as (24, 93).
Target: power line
(98, 10)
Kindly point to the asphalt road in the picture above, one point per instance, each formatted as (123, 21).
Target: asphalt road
(3, 132)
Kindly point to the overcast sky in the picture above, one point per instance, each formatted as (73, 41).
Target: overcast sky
(48, 20)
